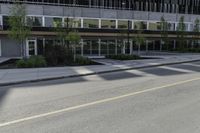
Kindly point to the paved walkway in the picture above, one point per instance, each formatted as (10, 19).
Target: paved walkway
(12, 76)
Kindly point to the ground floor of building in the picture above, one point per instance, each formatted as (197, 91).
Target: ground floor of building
(93, 47)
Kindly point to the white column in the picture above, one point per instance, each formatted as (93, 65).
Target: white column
(124, 47)
(43, 45)
(174, 44)
(90, 47)
(81, 22)
(43, 21)
(147, 48)
(99, 23)
(116, 46)
(27, 48)
(116, 24)
(63, 22)
(132, 24)
(99, 42)
(81, 47)
(1, 20)
(35, 45)
(148, 25)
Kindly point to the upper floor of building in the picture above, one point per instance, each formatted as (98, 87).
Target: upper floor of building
(166, 6)
(93, 18)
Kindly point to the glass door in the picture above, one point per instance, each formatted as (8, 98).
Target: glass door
(127, 47)
(31, 47)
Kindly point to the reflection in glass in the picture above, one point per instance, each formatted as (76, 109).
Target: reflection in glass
(122, 24)
(91, 23)
(94, 47)
(34, 21)
(154, 26)
(86, 47)
(108, 24)
(72, 22)
(140, 25)
(52, 22)
(104, 47)
(120, 46)
(111, 47)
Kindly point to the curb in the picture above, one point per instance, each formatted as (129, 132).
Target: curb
(92, 73)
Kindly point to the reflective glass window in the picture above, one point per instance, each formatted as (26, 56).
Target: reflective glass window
(108, 24)
(34, 21)
(91, 23)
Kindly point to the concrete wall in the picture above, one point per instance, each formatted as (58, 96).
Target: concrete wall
(9, 47)
(97, 13)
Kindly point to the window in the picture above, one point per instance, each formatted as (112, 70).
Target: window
(171, 26)
(52, 22)
(91, 23)
(34, 21)
(1, 20)
(104, 47)
(122, 24)
(86, 47)
(108, 24)
(154, 26)
(72, 22)
(111, 47)
(140, 25)
(5, 20)
(95, 47)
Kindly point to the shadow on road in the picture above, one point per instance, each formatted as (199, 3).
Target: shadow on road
(114, 76)
(187, 67)
(162, 72)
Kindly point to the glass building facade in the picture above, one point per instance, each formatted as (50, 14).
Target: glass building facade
(169, 6)
(110, 26)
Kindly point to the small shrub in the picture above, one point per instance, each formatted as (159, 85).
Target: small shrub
(39, 61)
(32, 62)
(80, 60)
(21, 63)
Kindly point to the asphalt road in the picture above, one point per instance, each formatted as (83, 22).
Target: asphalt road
(155, 100)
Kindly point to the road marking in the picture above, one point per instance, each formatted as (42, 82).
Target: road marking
(95, 103)
(177, 69)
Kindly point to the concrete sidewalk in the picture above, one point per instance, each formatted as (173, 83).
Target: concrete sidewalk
(15, 76)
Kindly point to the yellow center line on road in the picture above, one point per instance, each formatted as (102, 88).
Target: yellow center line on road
(95, 102)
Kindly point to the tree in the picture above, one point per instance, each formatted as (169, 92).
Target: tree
(139, 38)
(18, 29)
(121, 36)
(196, 25)
(60, 31)
(74, 38)
(164, 25)
(181, 28)
(196, 29)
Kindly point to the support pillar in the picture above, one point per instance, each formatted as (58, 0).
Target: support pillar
(99, 42)
(174, 44)
(147, 48)
(81, 47)
(115, 46)
(131, 48)
(161, 45)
